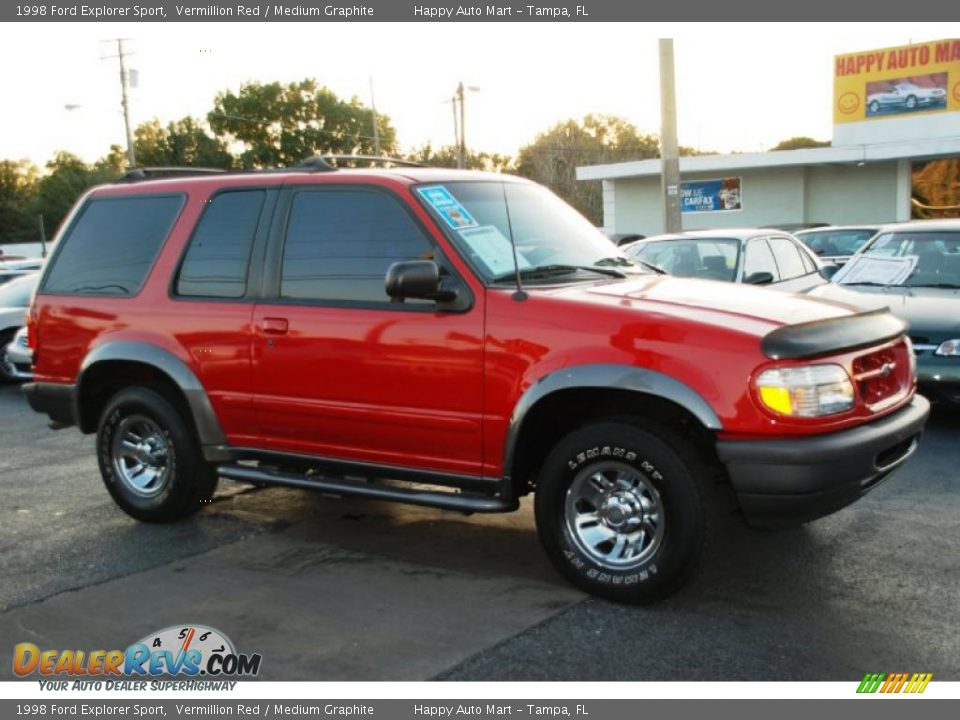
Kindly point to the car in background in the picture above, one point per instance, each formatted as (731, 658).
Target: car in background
(23, 250)
(14, 299)
(795, 226)
(914, 270)
(621, 239)
(755, 256)
(837, 243)
(13, 269)
(906, 95)
(16, 359)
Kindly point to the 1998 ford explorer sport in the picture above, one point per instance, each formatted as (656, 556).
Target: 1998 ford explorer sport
(371, 331)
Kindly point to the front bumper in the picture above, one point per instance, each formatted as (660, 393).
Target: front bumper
(786, 482)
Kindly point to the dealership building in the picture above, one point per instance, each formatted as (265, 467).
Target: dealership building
(893, 108)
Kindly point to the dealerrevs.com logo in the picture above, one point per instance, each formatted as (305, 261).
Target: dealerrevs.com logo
(180, 650)
(911, 683)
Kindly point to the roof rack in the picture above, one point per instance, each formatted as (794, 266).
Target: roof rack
(147, 173)
(321, 163)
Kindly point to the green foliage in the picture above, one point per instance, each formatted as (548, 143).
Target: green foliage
(552, 158)
(798, 143)
(446, 156)
(18, 185)
(281, 125)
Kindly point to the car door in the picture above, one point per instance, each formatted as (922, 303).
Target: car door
(796, 275)
(342, 372)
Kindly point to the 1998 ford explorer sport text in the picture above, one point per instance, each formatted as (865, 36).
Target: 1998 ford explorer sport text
(367, 332)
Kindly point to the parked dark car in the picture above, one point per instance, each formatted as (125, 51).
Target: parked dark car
(14, 300)
(837, 243)
(754, 256)
(928, 298)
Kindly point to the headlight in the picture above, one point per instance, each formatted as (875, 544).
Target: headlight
(806, 391)
(950, 348)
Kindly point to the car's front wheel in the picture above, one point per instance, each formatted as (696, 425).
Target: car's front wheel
(874, 107)
(619, 510)
(150, 458)
(911, 102)
(7, 369)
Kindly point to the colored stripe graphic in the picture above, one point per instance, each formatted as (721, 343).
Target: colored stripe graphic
(894, 683)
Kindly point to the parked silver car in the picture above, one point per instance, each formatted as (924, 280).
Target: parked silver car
(837, 243)
(906, 95)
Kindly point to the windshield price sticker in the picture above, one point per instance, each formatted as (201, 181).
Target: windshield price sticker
(448, 207)
(874, 270)
(493, 248)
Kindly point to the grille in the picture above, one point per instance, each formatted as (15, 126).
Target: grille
(883, 376)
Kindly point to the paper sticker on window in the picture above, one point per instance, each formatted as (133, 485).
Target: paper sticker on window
(493, 249)
(448, 207)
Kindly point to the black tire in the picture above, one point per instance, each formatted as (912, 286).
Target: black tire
(187, 481)
(5, 376)
(661, 460)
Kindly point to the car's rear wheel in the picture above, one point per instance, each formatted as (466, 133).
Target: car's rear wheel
(150, 459)
(619, 510)
(911, 102)
(874, 106)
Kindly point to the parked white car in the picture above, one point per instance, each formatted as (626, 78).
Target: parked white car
(906, 95)
(18, 363)
(14, 300)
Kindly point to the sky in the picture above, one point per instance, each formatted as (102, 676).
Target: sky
(740, 86)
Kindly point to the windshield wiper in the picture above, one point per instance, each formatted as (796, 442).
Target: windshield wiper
(627, 262)
(542, 271)
(867, 283)
(946, 286)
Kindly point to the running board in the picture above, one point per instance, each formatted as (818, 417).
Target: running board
(459, 502)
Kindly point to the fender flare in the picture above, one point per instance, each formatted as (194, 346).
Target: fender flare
(211, 435)
(607, 376)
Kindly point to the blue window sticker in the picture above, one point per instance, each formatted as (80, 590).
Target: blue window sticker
(448, 207)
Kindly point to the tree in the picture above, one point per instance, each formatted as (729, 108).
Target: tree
(18, 186)
(552, 158)
(446, 156)
(281, 125)
(798, 143)
(183, 143)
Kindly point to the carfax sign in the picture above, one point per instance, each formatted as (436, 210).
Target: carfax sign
(711, 195)
(898, 82)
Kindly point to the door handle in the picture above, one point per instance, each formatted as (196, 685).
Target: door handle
(275, 326)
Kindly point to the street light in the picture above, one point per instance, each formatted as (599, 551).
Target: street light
(462, 150)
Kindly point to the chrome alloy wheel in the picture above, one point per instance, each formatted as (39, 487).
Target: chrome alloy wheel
(140, 453)
(615, 515)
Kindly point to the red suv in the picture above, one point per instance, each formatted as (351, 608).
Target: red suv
(373, 332)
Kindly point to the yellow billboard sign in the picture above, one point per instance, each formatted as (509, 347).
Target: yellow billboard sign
(897, 82)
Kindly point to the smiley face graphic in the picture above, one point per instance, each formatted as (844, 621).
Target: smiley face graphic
(956, 92)
(848, 103)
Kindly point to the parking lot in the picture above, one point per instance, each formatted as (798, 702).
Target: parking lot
(329, 589)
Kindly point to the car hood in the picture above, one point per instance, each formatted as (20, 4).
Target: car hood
(933, 312)
(747, 307)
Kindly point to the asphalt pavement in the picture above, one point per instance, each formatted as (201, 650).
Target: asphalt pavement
(330, 589)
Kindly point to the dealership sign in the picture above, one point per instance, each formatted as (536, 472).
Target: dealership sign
(901, 82)
(711, 195)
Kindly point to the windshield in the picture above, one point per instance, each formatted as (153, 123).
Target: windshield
(908, 259)
(552, 239)
(836, 242)
(707, 258)
(16, 293)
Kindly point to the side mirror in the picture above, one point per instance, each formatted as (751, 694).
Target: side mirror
(416, 280)
(759, 278)
(828, 271)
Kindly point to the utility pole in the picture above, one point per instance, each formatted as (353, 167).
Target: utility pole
(669, 148)
(125, 98)
(376, 129)
(456, 127)
(462, 154)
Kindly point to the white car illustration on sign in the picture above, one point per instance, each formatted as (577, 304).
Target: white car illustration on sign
(905, 95)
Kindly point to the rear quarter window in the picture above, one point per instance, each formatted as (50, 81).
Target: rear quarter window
(112, 245)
